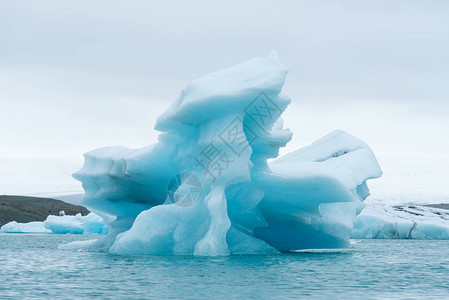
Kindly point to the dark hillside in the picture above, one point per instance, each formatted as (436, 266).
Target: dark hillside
(28, 209)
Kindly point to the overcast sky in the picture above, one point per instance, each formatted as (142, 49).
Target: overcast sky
(77, 75)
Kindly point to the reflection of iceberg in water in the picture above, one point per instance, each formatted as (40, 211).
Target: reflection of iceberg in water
(206, 188)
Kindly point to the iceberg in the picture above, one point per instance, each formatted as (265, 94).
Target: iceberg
(31, 227)
(78, 224)
(62, 224)
(207, 187)
(402, 222)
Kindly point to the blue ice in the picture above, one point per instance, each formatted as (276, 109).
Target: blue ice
(207, 188)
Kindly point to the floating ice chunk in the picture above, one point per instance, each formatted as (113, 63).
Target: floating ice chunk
(31, 227)
(206, 188)
(90, 224)
(78, 224)
(402, 222)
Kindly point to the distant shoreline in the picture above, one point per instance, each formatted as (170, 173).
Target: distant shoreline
(24, 209)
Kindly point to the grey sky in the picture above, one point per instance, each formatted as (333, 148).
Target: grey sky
(76, 75)
(379, 50)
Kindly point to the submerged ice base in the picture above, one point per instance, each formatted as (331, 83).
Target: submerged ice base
(206, 187)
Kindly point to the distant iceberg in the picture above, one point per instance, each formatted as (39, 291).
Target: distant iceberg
(63, 224)
(78, 224)
(206, 187)
(30, 227)
(402, 222)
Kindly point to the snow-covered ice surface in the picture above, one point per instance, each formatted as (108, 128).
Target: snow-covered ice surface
(402, 222)
(78, 224)
(206, 187)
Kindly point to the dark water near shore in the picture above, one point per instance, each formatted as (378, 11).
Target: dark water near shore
(32, 267)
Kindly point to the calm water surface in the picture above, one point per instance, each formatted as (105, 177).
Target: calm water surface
(32, 267)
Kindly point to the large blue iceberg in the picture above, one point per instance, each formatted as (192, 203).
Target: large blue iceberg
(207, 188)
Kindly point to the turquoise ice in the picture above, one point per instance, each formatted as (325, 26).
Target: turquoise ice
(207, 188)
(62, 224)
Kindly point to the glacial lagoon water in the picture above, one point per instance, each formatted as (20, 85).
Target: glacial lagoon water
(31, 267)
